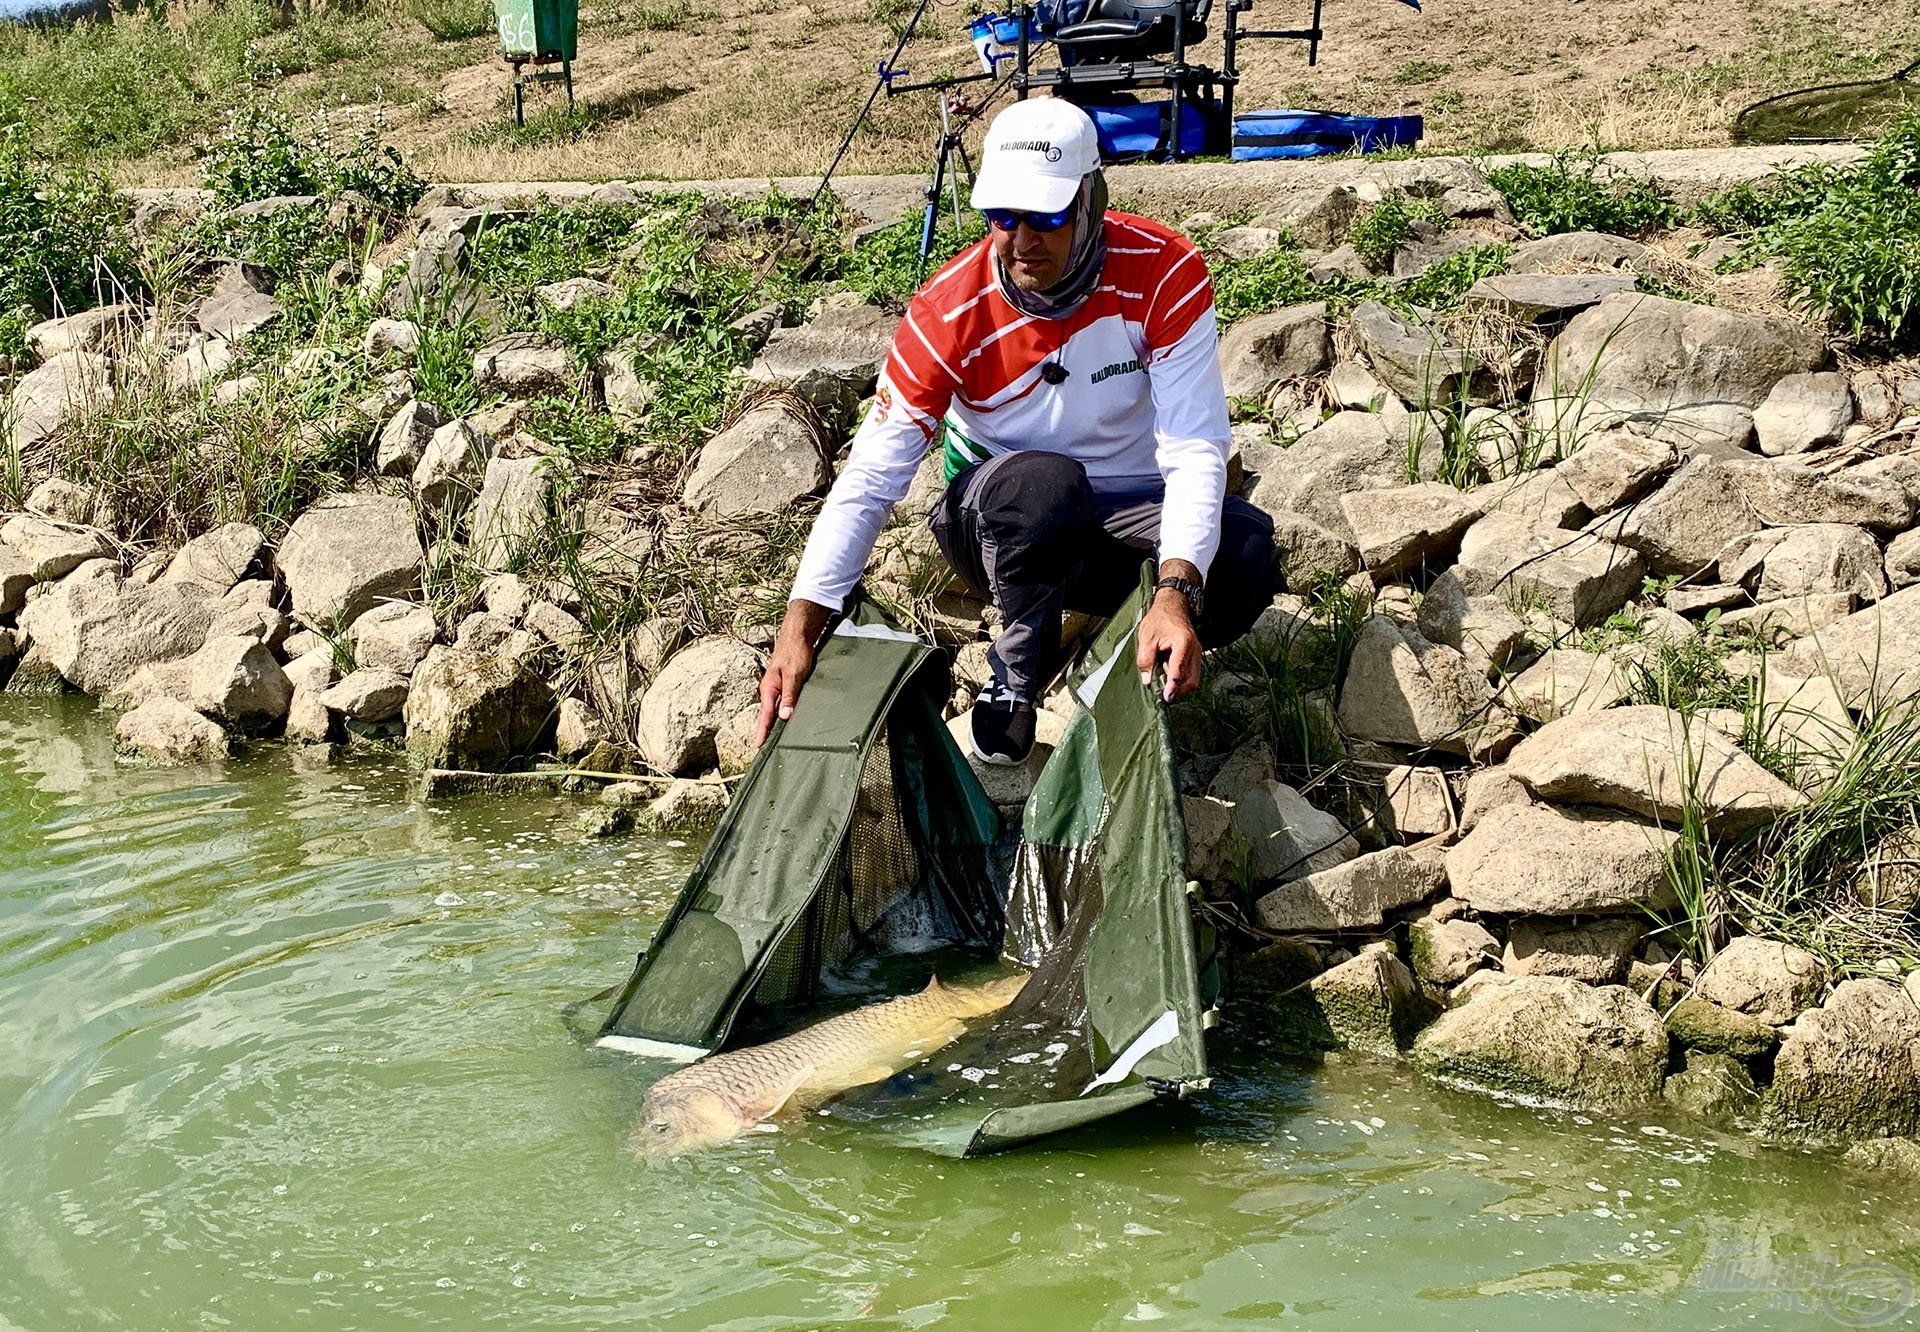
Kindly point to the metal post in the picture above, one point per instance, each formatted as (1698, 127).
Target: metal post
(1313, 42)
(1179, 74)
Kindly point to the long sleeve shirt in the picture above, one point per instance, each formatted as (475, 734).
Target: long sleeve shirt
(1142, 406)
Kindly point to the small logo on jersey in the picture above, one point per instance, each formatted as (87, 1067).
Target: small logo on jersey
(883, 402)
(1117, 368)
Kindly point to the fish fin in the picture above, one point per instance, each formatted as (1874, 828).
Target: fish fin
(934, 986)
(784, 1094)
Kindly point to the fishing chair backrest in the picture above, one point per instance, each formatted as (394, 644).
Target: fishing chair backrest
(1113, 30)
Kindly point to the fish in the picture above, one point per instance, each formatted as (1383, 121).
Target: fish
(727, 1095)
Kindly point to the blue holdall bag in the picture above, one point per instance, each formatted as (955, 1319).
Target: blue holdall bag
(1263, 135)
(1130, 129)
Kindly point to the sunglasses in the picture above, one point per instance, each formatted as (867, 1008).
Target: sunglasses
(1006, 219)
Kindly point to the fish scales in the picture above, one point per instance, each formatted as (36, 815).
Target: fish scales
(724, 1095)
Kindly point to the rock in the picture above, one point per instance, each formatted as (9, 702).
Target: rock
(1848, 1069)
(167, 730)
(524, 365)
(1873, 654)
(1350, 451)
(450, 466)
(1007, 788)
(1576, 252)
(556, 626)
(1411, 358)
(1652, 761)
(506, 595)
(1765, 979)
(686, 805)
(368, 694)
(1402, 689)
(1714, 1089)
(348, 552)
(1539, 860)
(98, 631)
(1682, 527)
(1596, 951)
(1268, 349)
(763, 463)
(1446, 952)
(573, 293)
(241, 303)
(218, 559)
(833, 360)
(1369, 1003)
(311, 674)
(627, 393)
(1542, 498)
(1316, 219)
(1580, 577)
(1565, 681)
(1309, 551)
(1903, 559)
(62, 500)
(1404, 527)
(237, 680)
(203, 362)
(1211, 842)
(1490, 789)
(405, 437)
(1615, 466)
(1592, 1047)
(1814, 559)
(1804, 412)
(390, 337)
(737, 743)
(1686, 370)
(1701, 1024)
(393, 636)
(511, 510)
(1418, 802)
(68, 386)
(1288, 837)
(466, 710)
(1353, 895)
(40, 551)
(1786, 492)
(703, 685)
(484, 633)
(105, 328)
(1243, 243)
(579, 728)
(1898, 1158)
(1482, 629)
(1781, 622)
(1534, 298)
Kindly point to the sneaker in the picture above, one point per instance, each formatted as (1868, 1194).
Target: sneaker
(1001, 727)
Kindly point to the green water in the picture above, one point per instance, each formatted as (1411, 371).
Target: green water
(284, 1050)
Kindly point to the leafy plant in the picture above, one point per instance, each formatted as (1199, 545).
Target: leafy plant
(1441, 285)
(1581, 191)
(453, 20)
(62, 240)
(262, 155)
(1378, 233)
(1268, 281)
(885, 267)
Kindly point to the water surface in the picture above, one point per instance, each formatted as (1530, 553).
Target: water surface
(284, 1049)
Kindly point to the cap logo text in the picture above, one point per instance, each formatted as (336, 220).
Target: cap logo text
(1033, 146)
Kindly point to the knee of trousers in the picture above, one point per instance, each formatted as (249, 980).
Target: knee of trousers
(1242, 580)
(1035, 508)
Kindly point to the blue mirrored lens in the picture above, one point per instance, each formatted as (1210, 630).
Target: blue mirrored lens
(1006, 219)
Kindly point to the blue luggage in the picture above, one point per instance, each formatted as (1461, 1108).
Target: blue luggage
(1261, 135)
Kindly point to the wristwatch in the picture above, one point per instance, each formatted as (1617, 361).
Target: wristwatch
(1192, 591)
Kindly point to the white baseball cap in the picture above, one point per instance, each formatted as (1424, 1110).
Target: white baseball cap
(1035, 155)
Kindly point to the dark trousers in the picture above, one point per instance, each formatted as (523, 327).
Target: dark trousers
(1026, 531)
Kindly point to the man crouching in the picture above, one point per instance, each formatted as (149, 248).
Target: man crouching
(1071, 357)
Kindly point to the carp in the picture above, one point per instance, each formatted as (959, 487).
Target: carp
(725, 1095)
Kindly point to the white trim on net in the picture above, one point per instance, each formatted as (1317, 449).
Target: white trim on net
(640, 1045)
(851, 630)
(1159, 1032)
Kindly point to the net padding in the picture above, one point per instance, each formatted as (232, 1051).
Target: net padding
(1832, 113)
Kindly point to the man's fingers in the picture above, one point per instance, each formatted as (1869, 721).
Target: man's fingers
(770, 693)
(1183, 668)
(1148, 651)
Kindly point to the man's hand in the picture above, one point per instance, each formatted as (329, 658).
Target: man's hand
(791, 662)
(1167, 634)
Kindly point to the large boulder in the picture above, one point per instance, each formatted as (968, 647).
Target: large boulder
(1577, 252)
(1483, 629)
(760, 464)
(1594, 951)
(1580, 577)
(1354, 895)
(1850, 1068)
(1536, 298)
(1690, 371)
(1804, 412)
(348, 552)
(467, 710)
(450, 466)
(1287, 836)
(237, 680)
(1813, 559)
(1403, 527)
(1682, 527)
(1787, 491)
(105, 328)
(1268, 349)
(696, 692)
(1445, 950)
(1538, 860)
(1650, 760)
(218, 559)
(1411, 357)
(1766, 979)
(1615, 466)
(1349, 451)
(368, 694)
(1402, 689)
(240, 303)
(168, 731)
(98, 631)
(833, 360)
(39, 551)
(522, 365)
(1871, 654)
(512, 508)
(393, 636)
(67, 386)
(1566, 680)
(310, 674)
(1593, 1047)
(1370, 1002)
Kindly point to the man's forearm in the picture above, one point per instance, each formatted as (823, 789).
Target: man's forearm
(804, 621)
(1171, 597)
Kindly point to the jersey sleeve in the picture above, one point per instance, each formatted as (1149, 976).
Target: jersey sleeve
(1191, 435)
(915, 389)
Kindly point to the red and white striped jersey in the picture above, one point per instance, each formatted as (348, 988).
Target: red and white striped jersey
(1142, 404)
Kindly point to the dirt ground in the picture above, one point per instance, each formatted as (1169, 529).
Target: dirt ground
(689, 89)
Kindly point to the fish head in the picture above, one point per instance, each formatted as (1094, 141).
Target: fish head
(685, 1119)
(996, 994)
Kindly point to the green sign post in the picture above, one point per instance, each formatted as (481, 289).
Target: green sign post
(537, 33)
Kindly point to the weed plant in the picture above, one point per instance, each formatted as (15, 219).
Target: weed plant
(62, 241)
(452, 20)
(1580, 191)
(262, 154)
(1380, 232)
